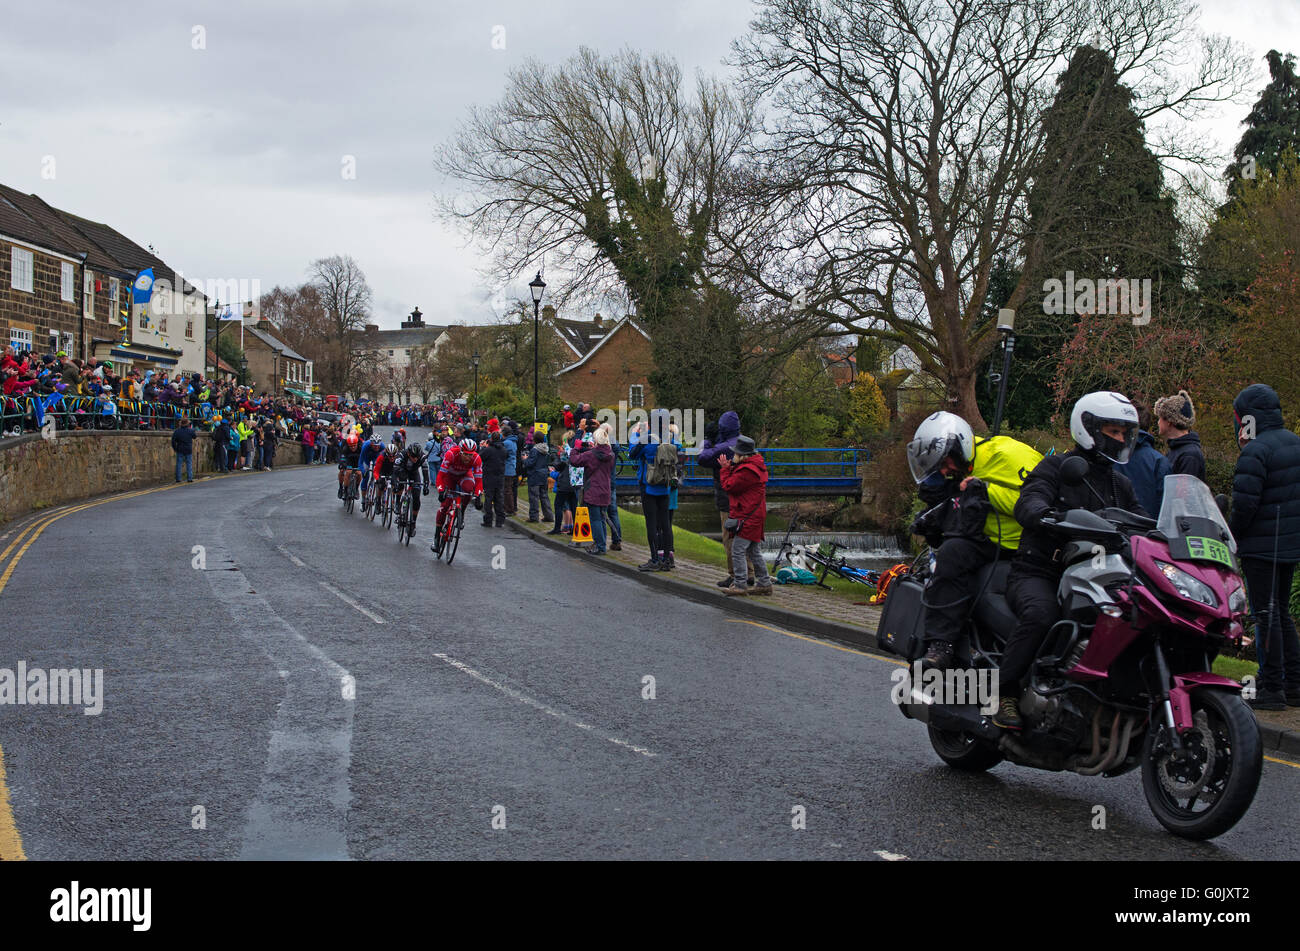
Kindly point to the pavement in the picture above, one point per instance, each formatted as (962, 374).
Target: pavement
(809, 608)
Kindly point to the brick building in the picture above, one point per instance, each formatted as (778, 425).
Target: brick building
(274, 366)
(615, 366)
(66, 284)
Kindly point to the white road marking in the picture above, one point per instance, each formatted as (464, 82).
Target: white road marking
(292, 497)
(291, 556)
(538, 705)
(348, 601)
(891, 856)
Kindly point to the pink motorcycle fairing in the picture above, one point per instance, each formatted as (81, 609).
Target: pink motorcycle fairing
(1111, 636)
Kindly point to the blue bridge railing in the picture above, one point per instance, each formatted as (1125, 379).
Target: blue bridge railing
(791, 472)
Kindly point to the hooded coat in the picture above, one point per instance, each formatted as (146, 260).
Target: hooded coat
(712, 452)
(1266, 481)
(745, 482)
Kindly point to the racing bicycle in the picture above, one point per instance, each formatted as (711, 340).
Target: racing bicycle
(447, 538)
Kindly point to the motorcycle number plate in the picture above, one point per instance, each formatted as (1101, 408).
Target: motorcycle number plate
(1200, 548)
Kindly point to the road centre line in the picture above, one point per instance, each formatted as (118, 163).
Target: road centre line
(538, 705)
(349, 601)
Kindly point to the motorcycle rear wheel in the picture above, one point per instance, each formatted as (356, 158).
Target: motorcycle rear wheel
(962, 751)
(1224, 742)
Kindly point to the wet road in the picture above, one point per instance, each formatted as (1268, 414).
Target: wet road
(283, 680)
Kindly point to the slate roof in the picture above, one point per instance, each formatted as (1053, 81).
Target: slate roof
(411, 337)
(582, 335)
(275, 343)
(67, 237)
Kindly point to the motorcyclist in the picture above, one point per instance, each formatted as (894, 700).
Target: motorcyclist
(1105, 428)
(971, 490)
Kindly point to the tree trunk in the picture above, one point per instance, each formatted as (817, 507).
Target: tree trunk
(961, 398)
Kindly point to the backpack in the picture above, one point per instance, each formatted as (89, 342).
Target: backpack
(664, 470)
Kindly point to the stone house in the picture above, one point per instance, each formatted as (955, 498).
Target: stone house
(613, 363)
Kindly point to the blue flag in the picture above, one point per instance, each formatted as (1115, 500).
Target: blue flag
(143, 286)
(41, 404)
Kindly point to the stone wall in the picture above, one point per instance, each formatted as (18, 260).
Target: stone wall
(36, 473)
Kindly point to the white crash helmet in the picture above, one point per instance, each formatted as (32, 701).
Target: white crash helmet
(939, 436)
(1096, 409)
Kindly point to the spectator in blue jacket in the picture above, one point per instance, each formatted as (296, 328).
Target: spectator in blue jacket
(1147, 466)
(654, 498)
(183, 446)
(722, 445)
(510, 434)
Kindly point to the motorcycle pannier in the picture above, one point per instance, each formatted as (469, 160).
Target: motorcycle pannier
(902, 623)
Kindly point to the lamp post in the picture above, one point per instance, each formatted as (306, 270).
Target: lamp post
(275, 373)
(474, 360)
(537, 286)
(243, 370)
(1006, 324)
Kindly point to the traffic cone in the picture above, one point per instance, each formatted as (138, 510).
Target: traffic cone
(581, 527)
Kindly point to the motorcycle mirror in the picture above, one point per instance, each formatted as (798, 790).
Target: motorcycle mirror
(1221, 501)
(1073, 470)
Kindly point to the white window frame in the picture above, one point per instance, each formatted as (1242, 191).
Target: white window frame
(22, 269)
(20, 339)
(67, 283)
(189, 330)
(636, 396)
(67, 343)
(113, 286)
(52, 337)
(88, 297)
(162, 325)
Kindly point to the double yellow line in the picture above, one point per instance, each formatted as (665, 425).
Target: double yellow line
(11, 843)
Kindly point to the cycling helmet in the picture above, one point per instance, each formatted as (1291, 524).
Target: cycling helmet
(1098, 409)
(468, 445)
(353, 441)
(940, 436)
(399, 437)
(391, 450)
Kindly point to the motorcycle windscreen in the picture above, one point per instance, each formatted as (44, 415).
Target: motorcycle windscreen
(1193, 524)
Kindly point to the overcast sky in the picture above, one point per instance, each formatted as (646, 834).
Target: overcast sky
(228, 159)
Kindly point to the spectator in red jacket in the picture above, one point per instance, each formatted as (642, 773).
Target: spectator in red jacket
(744, 479)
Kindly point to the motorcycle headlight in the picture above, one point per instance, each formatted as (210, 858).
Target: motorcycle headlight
(1188, 586)
(1237, 600)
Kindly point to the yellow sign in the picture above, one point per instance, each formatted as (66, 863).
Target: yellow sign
(581, 526)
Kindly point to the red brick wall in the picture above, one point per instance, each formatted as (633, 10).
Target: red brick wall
(604, 379)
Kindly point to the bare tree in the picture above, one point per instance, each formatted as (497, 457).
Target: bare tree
(539, 171)
(907, 140)
(346, 298)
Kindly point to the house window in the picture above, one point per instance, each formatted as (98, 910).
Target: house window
(112, 291)
(20, 339)
(144, 320)
(189, 329)
(88, 298)
(636, 395)
(21, 279)
(162, 325)
(53, 336)
(67, 344)
(66, 286)
(390, 353)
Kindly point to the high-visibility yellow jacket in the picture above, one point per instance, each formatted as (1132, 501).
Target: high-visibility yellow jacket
(1002, 464)
(245, 430)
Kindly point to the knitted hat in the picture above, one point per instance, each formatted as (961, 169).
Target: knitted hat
(493, 426)
(1177, 409)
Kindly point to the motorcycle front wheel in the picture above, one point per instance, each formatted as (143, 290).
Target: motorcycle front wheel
(1206, 792)
(962, 751)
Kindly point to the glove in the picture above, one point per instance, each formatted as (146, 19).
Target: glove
(426, 490)
(442, 496)
(478, 502)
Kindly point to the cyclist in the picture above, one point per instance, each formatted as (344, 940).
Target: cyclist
(461, 469)
(412, 466)
(370, 450)
(383, 468)
(349, 461)
(399, 437)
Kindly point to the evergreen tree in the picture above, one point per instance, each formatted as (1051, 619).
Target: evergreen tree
(1117, 223)
(1271, 127)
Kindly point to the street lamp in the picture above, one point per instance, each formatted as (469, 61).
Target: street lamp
(243, 370)
(474, 360)
(216, 341)
(537, 286)
(275, 372)
(1006, 324)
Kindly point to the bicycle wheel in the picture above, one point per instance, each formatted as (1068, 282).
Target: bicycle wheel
(456, 527)
(349, 498)
(372, 499)
(388, 507)
(404, 520)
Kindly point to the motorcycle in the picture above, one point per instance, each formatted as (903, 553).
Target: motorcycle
(1124, 678)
